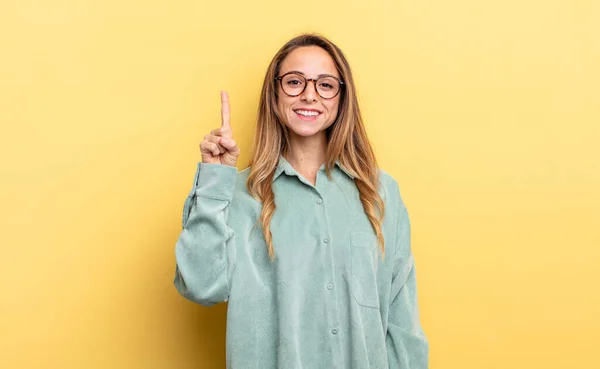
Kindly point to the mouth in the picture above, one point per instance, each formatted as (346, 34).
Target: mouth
(307, 114)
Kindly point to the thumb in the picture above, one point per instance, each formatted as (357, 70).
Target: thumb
(230, 145)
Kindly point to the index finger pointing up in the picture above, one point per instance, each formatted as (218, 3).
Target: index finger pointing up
(225, 111)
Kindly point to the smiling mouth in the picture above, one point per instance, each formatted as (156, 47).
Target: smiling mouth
(307, 113)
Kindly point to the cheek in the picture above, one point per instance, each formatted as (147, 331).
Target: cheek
(333, 108)
(283, 108)
(284, 104)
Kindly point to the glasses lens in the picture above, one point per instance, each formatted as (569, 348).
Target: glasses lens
(293, 84)
(328, 87)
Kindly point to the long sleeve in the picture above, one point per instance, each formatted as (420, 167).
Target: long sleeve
(406, 343)
(201, 252)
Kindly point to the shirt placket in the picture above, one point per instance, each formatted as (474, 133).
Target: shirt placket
(328, 283)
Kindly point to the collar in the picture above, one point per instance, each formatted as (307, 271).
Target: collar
(284, 167)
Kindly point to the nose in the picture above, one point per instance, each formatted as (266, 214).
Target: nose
(309, 93)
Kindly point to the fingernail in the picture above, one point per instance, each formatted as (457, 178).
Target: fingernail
(224, 141)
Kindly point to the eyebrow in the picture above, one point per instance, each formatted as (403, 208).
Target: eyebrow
(319, 76)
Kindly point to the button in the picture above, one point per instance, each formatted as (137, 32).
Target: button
(334, 331)
(330, 286)
(319, 200)
(326, 239)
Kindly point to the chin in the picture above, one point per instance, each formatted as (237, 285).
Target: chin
(304, 129)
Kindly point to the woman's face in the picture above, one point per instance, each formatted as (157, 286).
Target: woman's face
(308, 113)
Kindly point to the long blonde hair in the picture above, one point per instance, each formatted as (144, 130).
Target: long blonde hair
(347, 141)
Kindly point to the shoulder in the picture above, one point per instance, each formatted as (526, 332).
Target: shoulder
(243, 174)
(241, 180)
(389, 188)
(241, 187)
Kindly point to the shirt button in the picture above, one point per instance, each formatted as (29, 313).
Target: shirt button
(326, 240)
(319, 200)
(330, 286)
(334, 331)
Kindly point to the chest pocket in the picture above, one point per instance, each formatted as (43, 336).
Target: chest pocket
(364, 260)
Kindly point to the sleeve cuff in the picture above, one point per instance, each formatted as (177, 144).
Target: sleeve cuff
(215, 181)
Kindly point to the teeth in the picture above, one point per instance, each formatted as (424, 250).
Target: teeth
(307, 113)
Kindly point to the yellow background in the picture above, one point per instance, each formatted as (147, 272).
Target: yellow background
(487, 113)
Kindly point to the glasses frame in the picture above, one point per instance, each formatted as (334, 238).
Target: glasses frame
(314, 80)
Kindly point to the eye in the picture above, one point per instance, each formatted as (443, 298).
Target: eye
(293, 81)
(328, 84)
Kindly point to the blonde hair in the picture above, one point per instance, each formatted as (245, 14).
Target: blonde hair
(347, 141)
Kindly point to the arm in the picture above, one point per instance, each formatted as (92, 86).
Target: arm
(203, 262)
(406, 343)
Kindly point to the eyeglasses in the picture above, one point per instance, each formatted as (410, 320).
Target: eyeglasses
(294, 84)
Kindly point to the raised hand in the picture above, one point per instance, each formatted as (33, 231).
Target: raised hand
(219, 147)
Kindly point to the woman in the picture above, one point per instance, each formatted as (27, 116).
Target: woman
(311, 243)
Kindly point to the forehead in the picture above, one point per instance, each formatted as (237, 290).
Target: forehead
(310, 60)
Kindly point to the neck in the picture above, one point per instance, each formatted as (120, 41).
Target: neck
(306, 154)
